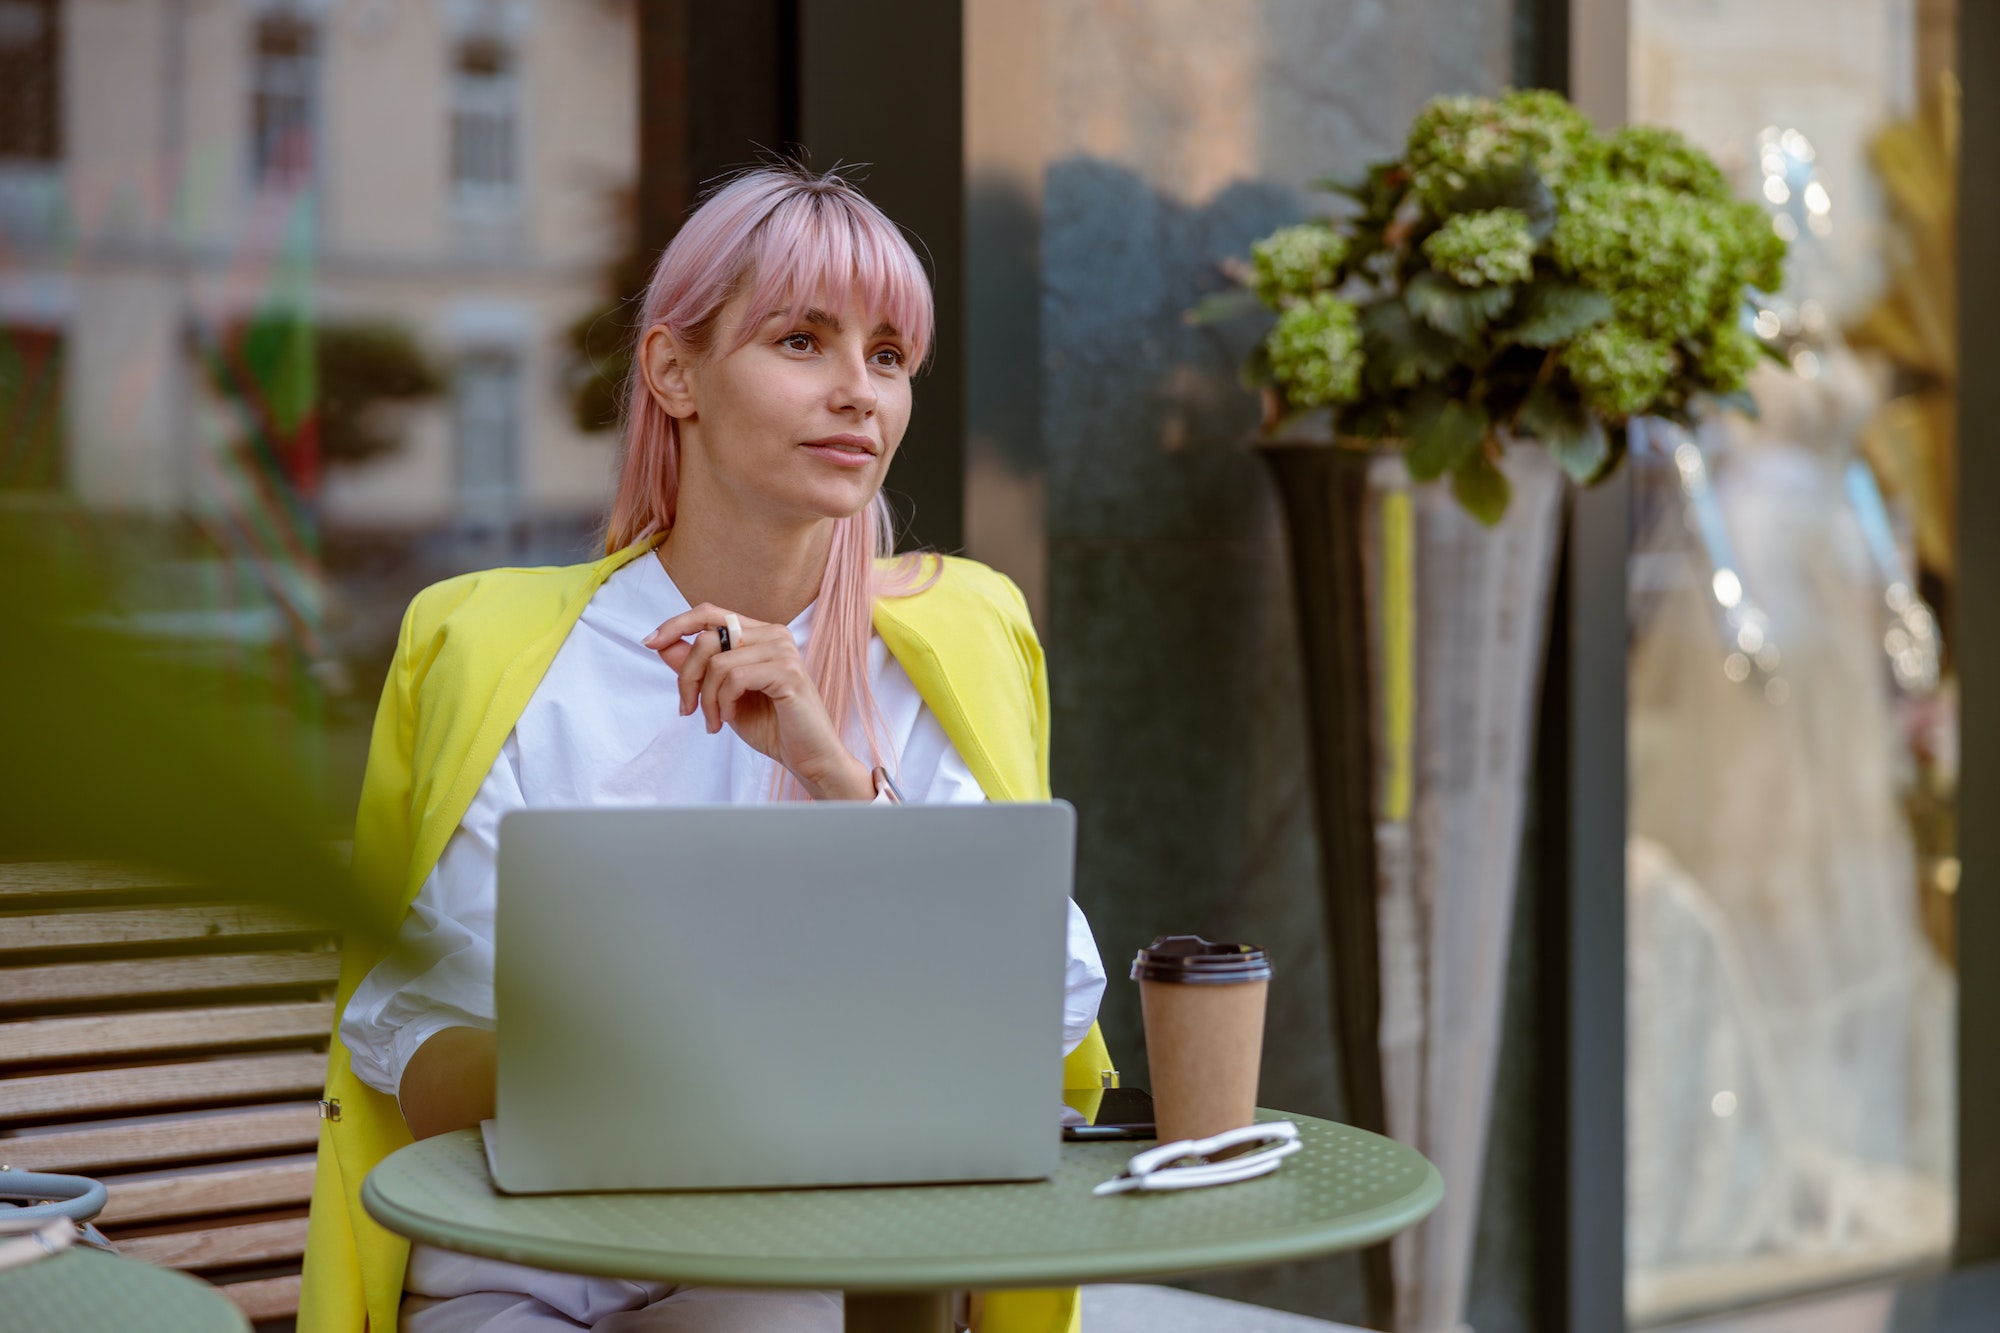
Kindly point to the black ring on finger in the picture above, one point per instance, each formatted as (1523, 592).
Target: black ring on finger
(723, 630)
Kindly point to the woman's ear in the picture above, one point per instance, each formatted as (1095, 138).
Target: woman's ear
(669, 377)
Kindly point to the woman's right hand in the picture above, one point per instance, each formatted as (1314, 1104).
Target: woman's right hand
(759, 688)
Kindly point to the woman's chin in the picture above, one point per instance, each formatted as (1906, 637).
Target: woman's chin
(833, 502)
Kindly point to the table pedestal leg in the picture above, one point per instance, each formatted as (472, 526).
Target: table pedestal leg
(899, 1312)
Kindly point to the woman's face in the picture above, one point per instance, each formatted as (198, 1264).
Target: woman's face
(800, 421)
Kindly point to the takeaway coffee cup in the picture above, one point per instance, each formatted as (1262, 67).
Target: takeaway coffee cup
(1204, 1010)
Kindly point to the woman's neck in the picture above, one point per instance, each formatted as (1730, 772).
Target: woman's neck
(756, 565)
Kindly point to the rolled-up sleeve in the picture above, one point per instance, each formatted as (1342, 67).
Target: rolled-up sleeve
(440, 973)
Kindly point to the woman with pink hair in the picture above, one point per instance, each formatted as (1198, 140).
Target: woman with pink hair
(746, 638)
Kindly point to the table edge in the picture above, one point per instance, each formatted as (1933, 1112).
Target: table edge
(196, 1295)
(1355, 1232)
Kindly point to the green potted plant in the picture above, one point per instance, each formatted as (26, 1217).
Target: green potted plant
(1515, 275)
(1515, 284)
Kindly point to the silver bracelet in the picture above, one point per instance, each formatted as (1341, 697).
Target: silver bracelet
(885, 785)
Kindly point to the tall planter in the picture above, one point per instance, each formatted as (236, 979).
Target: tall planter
(1325, 495)
(1422, 633)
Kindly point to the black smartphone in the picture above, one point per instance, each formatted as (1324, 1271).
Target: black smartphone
(1120, 1113)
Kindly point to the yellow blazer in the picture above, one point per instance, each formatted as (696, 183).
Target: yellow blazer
(470, 654)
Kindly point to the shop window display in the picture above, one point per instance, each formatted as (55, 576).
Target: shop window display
(1792, 719)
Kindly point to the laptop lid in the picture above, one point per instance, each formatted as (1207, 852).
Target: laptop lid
(721, 997)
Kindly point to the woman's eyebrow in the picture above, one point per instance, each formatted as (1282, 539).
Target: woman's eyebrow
(814, 315)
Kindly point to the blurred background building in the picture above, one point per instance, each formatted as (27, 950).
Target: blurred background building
(292, 289)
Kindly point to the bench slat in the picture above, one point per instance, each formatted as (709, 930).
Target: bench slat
(265, 1297)
(218, 1081)
(219, 1247)
(26, 882)
(279, 1182)
(83, 928)
(146, 1032)
(231, 1135)
(137, 977)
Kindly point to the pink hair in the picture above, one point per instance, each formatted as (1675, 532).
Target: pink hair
(790, 238)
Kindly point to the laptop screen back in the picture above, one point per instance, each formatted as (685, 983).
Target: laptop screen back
(745, 996)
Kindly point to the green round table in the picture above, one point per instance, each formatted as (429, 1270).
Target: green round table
(898, 1252)
(83, 1290)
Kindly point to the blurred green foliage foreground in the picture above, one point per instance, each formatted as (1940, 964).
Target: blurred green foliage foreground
(110, 749)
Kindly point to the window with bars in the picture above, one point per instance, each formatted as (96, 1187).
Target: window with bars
(484, 120)
(487, 407)
(30, 87)
(284, 76)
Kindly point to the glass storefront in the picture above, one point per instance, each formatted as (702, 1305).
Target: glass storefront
(1793, 725)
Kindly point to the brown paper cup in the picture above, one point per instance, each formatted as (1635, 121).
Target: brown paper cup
(1204, 1012)
(1205, 1044)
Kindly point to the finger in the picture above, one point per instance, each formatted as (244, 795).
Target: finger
(711, 685)
(688, 623)
(739, 679)
(753, 664)
(676, 651)
(691, 622)
(695, 666)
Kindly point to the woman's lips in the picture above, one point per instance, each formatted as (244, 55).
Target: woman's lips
(843, 450)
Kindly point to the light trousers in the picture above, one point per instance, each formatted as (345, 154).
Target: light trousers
(456, 1293)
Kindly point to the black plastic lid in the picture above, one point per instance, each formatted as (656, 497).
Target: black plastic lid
(1192, 960)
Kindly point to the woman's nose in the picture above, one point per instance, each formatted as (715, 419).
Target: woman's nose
(854, 389)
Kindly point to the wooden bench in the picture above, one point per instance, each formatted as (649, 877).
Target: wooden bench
(174, 1048)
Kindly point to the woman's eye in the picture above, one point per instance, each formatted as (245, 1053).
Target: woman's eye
(889, 356)
(798, 342)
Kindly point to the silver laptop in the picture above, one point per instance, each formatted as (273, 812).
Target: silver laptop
(784, 995)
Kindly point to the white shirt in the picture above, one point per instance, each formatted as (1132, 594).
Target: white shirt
(604, 728)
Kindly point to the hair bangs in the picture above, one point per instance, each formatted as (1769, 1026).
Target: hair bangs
(833, 250)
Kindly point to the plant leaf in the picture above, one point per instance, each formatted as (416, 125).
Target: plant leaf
(1352, 187)
(1481, 487)
(1620, 441)
(1462, 312)
(1517, 186)
(1397, 351)
(1366, 420)
(1553, 311)
(1216, 307)
(1443, 432)
(1570, 432)
(1375, 189)
(1256, 370)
